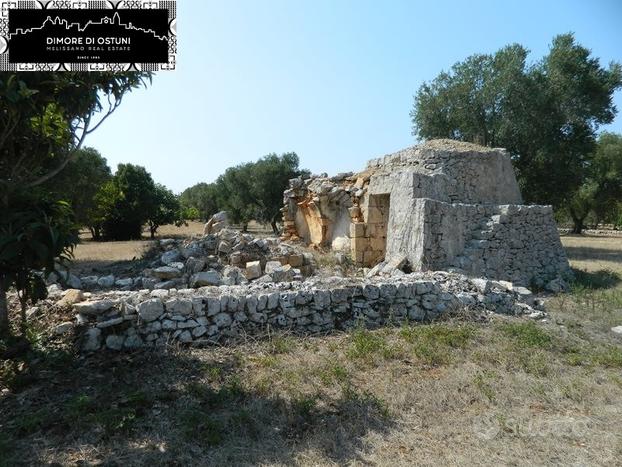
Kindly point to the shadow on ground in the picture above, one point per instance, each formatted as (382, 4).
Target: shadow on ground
(595, 280)
(170, 407)
(586, 253)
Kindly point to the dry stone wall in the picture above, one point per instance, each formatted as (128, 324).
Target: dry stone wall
(146, 318)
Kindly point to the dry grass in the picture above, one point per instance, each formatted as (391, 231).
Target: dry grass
(507, 391)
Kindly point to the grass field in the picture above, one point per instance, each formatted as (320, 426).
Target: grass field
(468, 390)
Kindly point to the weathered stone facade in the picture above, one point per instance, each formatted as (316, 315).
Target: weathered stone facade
(443, 205)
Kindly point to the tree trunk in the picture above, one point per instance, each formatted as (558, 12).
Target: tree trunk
(4, 311)
(577, 222)
(275, 229)
(245, 227)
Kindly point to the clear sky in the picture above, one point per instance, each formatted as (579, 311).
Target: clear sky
(332, 80)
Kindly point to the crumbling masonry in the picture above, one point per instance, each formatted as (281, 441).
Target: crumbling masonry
(443, 205)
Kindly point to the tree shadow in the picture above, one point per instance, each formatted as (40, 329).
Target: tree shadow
(175, 407)
(593, 254)
(595, 280)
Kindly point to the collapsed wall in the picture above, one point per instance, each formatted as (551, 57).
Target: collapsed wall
(443, 205)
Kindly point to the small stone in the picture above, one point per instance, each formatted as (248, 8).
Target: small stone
(179, 305)
(106, 281)
(124, 283)
(133, 342)
(170, 284)
(32, 311)
(222, 320)
(150, 310)
(169, 325)
(617, 330)
(109, 323)
(114, 342)
(166, 272)
(187, 324)
(253, 270)
(71, 297)
(185, 337)
(93, 308)
(63, 328)
(194, 265)
(92, 340)
(271, 266)
(204, 278)
(170, 256)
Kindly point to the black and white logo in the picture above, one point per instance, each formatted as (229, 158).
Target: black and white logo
(93, 35)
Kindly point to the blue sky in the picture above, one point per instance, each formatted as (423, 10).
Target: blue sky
(332, 80)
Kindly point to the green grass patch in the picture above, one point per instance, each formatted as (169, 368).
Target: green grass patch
(280, 344)
(334, 373)
(434, 343)
(366, 345)
(484, 380)
(527, 334)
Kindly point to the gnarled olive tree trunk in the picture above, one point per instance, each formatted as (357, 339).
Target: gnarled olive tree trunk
(4, 311)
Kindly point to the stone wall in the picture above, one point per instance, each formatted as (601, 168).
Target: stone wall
(516, 243)
(146, 318)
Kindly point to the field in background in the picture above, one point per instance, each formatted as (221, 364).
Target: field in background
(468, 390)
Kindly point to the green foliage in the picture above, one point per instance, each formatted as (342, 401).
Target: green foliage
(46, 116)
(270, 178)
(165, 208)
(546, 114)
(200, 201)
(250, 191)
(126, 202)
(44, 120)
(36, 234)
(79, 183)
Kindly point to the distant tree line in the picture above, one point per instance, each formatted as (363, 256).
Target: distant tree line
(249, 191)
(546, 114)
(114, 207)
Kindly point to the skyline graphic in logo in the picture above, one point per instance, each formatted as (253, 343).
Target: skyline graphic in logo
(88, 39)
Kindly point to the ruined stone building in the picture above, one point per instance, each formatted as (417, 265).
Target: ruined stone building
(443, 205)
